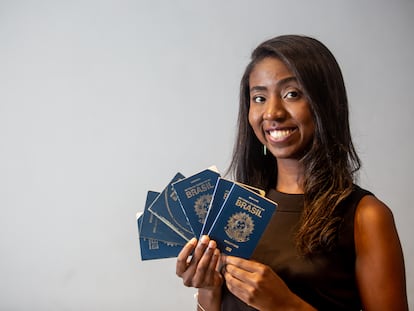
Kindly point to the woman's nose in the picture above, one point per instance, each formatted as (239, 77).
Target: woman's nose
(274, 109)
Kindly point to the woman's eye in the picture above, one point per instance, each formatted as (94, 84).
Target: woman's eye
(291, 95)
(258, 99)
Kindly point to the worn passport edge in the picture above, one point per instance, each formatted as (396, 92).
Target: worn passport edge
(167, 221)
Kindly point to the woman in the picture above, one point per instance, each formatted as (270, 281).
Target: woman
(330, 245)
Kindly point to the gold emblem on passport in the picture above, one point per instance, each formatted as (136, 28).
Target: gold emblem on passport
(201, 206)
(239, 227)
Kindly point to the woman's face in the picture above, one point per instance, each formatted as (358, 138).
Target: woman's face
(279, 112)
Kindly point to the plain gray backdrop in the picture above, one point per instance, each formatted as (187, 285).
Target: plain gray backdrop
(101, 101)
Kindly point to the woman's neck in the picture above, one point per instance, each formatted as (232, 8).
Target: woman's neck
(289, 176)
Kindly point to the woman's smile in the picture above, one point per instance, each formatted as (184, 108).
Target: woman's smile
(277, 135)
(279, 112)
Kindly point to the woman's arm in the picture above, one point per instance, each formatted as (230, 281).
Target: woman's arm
(209, 299)
(198, 266)
(380, 268)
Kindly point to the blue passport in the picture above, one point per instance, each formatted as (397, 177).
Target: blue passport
(241, 221)
(194, 194)
(220, 192)
(153, 248)
(167, 208)
(151, 228)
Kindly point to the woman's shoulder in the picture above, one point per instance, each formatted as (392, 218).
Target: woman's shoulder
(373, 214)
(369, 210)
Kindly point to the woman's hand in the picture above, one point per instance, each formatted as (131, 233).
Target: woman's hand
(258, 286)
(197, 264)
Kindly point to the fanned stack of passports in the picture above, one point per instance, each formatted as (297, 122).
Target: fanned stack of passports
(233, 214)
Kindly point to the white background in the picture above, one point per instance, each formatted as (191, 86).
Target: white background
(101, 101)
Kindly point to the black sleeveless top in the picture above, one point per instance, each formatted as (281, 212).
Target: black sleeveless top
(327, 280)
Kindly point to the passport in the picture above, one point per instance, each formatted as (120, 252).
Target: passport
(241, 221)
(195, 194)
(152, 228)
(220, 192)
(151, 248)
(167, 208)
(235, 215)
(154, 249)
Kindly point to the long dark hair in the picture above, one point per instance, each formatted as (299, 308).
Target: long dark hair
(330, 163)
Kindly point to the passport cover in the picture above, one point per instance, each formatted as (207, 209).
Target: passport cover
(241, 221)
(153, 248)
(221, 190)
(168, 209)
(194, 194)
(152, 228)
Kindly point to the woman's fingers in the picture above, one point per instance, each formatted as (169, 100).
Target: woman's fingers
(244, 264)
(236, 286)
(196, 263)
(182, 258)
(200, 249)
(206, 268)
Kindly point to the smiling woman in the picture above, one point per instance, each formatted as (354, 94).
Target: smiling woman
(279, 111)
(102, 100)
(330, 245)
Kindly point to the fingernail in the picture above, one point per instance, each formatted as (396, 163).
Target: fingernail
(204, 239)
(211, 244)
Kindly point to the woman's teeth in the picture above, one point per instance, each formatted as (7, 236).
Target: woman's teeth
(278, 134)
